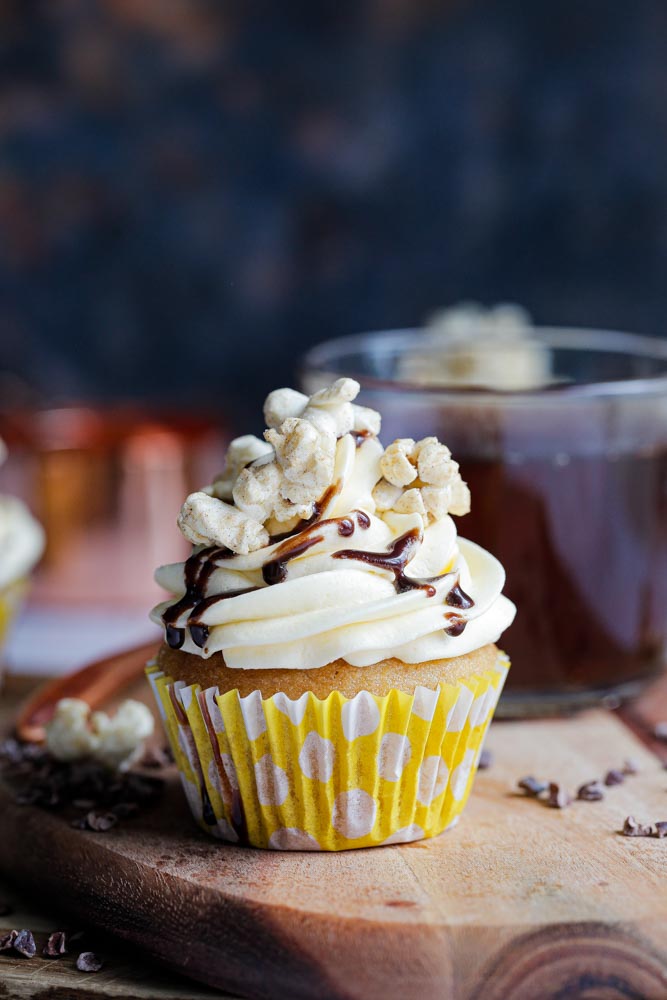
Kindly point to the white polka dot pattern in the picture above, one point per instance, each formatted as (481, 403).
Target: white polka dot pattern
(337, 774)
(289, 838)
(294, 710)
(360, 716)
(354, 813)
(424, 702)
(395, 753)
(272, 783)
(316, 758)
(253, 715)
(460, 775)
(458, 713)
(433, 776)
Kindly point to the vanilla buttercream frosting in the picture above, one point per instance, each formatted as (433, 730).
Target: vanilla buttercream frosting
(318, 543)
(21, 537)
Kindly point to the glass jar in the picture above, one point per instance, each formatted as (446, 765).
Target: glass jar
(569, 491)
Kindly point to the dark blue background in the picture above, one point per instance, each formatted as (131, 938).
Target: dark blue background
(191, 192)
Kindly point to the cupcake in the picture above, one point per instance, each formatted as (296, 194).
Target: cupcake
(21, 545)
(329, 668)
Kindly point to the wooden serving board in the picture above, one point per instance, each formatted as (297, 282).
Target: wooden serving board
(519, 901)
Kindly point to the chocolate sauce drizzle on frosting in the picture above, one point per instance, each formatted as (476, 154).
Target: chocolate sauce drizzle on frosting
(198, 570)
(395, 560)
(200, 566)
(457, 625)
(457, 598)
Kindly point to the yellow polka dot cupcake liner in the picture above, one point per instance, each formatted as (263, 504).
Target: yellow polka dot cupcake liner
(11, 599)
(333, 774)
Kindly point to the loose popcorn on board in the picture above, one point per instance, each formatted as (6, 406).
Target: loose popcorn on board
(115, 741)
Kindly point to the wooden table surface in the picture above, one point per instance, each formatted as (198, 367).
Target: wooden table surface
(523, 901)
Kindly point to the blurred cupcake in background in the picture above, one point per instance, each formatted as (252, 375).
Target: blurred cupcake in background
(21, 545)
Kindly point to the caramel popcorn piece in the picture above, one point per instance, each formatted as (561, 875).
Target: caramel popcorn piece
(306, 457)
(385, 495)
(459, 503)
(256, 489)
(395, 464)
(242, 450)
(204, 520)
(282, 404)
(343, 390)
(438, 488)
(436, 500)
(366, 419)
(115, 741)
(411, 502)
(434, 462)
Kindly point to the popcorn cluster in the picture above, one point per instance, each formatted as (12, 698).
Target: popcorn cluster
(426, 467)
(116, 741)
(276, 482)
(269, 485)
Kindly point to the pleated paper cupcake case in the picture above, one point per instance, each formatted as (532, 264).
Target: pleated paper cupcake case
(332, 774)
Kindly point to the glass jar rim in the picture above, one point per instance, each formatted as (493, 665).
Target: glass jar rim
(325, 357)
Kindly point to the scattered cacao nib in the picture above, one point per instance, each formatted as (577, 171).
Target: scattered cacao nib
(661, 829)
(24, 944)
(125, 810)
(56, 945)
(614, 777)
(5, 908)
(531, 786)
(558, 797)
(631, 828)
(88, 961)
(630, 766)
(485, 760)
(100, 822)
(660, 730)
(592, 791)
(37, 779)
(7, 940)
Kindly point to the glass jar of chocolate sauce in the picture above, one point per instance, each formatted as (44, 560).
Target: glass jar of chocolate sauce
(568, 478)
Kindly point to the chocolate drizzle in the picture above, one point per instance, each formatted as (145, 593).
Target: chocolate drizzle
(199, 634)
(175, 636)
(318, 507)
(275, 571)
(395, 559)
(457, 598)
(457, 624)
(198, 570)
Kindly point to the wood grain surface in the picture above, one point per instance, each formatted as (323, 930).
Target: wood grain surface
(519, 901)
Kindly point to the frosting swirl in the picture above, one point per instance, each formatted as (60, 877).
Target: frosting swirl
(21, 540)
(350, 581)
